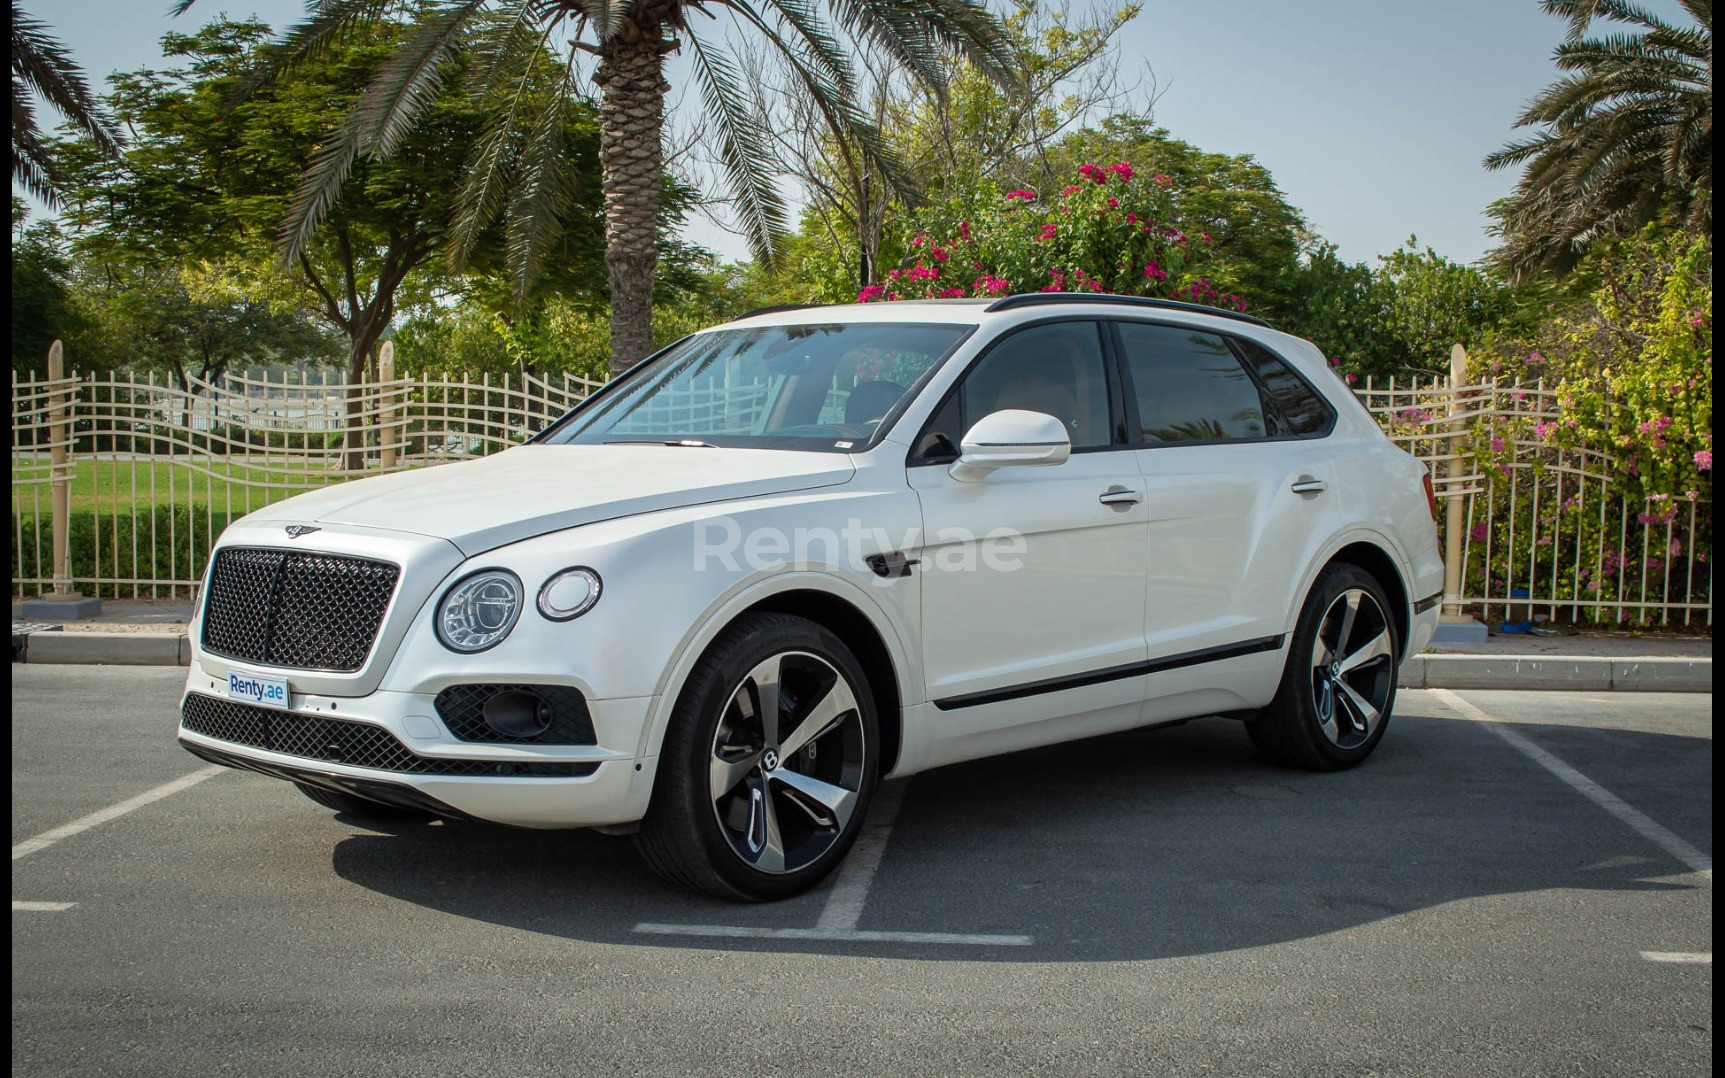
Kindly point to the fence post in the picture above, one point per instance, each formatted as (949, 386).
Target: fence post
(1452, 501)
(62, 601)
(386, 431)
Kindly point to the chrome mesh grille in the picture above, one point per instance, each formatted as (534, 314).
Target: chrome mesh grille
(338, 741)
(306, 611)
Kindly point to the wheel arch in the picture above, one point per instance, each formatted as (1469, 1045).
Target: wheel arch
(867, 630)
(1381, 564)
(865, 641)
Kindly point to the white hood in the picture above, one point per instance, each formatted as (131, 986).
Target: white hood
(534, 489)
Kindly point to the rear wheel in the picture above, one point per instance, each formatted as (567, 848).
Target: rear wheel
(351, 805)
(1340, 681)
(768, 765)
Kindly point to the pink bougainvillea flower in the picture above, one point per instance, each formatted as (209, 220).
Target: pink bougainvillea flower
(951, 293)
(1113, 203)
(1122, 170)
(937, 253)
(1205, 236)
(1131, 218)
(1071, 189)
(1048, 231)
(1023, 194)
(921, 238)
(1704, 460)
(871, 292)
(1161, 181)
(1351, 379)
(1155, 272)
(1497, 445)
(964, 231)
(1543, 430)
(892, 275)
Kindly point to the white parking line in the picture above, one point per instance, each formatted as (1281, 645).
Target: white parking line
(41, 907)
(839, 917)
(96, 819)
(853, 935)
(845, 904)
(1691, 958)
(1637, 820)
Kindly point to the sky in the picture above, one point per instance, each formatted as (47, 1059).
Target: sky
(1372, 115)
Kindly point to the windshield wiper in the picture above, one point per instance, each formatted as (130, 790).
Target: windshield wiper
(693, 443)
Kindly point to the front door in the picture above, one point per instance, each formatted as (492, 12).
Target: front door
(1033, 577)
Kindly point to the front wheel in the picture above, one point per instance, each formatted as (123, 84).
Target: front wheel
(768, 764)
(1339, 685)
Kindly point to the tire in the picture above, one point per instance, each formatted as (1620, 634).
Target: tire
(733, 814)
(351, 805)
(1334, 702)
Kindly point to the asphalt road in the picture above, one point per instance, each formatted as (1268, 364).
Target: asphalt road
(1455, 906)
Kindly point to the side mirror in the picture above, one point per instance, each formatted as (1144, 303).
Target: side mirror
(1011, 438)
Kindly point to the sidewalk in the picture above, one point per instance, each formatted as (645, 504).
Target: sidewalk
(138, 633)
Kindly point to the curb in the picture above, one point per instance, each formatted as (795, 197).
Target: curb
(1557, 673)
(68, 646)
(1447, 671)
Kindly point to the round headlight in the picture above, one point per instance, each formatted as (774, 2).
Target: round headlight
(479, 610)
(569, 594)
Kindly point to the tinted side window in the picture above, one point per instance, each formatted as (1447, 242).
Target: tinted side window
(1298, 408)
(1056, 369)
(1189, 386)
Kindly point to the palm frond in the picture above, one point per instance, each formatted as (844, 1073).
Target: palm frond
(42, 63)
(409, 80)
(543, 193)
(320, 186)
(742, 149)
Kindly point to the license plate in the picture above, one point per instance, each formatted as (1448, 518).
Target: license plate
(255, 689)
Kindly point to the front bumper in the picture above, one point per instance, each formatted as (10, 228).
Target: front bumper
(407, 756)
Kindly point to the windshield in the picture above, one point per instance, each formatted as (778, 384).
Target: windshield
(774, 387)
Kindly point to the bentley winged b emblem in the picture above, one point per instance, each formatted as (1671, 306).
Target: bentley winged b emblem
(294, 531)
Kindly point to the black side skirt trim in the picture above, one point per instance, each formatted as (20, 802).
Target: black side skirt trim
(1112, 673)
(1428, 602)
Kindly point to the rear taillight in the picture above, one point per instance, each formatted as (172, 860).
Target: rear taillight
(1431, 495)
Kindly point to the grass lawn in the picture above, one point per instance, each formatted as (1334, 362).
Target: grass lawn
(101, 484)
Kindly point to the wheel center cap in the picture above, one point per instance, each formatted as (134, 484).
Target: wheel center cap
(1335, 670)
(769, 761)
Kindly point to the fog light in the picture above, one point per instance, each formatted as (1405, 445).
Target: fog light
(517, 714)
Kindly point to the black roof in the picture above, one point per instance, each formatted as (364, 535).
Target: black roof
(1037, 299)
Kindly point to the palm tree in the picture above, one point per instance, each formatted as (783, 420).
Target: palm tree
(1624, 136)
(630, 39)
(42, 67)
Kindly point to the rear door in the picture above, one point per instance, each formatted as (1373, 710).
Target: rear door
(1240, 491)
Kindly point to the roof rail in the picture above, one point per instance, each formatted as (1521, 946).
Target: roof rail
(1036, 299)
(776, 309)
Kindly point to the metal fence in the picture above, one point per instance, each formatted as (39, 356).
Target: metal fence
(120, 485)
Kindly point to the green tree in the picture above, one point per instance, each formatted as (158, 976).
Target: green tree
(630, 38)
(1254, 234)
(42, 67)
(43, 307)
(973, 130)
(1625, 136)
(212, 174)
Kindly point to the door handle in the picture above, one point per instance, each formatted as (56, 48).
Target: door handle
(1120, 496)
(1307, 485)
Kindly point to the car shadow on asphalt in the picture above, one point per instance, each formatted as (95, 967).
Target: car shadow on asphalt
(1150, 844)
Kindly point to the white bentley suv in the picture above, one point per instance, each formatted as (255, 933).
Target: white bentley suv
(790, 556)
